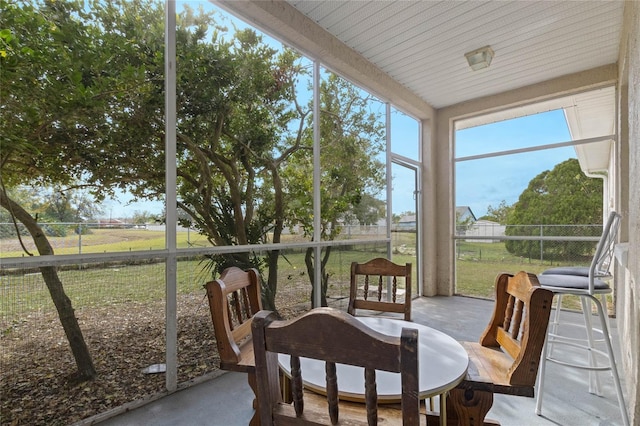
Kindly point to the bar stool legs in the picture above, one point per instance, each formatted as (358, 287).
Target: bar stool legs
(554, 338)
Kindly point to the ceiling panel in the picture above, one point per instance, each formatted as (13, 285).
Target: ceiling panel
(421, 44)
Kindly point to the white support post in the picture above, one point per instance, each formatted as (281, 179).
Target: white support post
(317, 222)
(171, 319)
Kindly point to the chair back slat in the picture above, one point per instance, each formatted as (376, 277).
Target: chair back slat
(517, 321)
(296, 385)
(378, 274)
(365, 296)
(394, 289)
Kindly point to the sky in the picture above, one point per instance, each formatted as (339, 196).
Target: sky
(478, 183)
(487, 182)
(123, 207)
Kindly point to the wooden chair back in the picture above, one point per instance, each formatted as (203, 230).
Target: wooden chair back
(506, 358)
(234, 299)
(335, 337)
(369, 287)
(518, 326)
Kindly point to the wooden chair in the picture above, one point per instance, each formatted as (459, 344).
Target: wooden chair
(234, 299)
(506, 358)
(335, 337)
(380, 269)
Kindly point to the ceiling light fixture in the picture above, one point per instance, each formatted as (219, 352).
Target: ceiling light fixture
(480, 58)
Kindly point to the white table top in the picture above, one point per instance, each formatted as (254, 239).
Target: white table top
(442, 364)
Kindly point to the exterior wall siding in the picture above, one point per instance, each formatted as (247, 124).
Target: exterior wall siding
(628, 292)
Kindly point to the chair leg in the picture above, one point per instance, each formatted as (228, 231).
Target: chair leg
(594, 377)
(470, 407)
(614, 369)
(553, 326)
(253, 384)
(547, 350)
(541, 373)
(603, 301)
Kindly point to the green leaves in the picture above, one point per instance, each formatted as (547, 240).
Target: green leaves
(562, 196)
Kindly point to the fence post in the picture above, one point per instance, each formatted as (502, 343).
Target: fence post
(541, 245)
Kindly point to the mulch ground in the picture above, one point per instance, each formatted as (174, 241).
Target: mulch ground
(37, 385)
(37, 370)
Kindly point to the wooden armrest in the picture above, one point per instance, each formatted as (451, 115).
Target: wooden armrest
(246, 361)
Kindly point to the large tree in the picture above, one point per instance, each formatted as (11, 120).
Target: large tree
(561, 196)
(352, 172)
(71, 76)
(236, 129)
(500, 213)
(83, 100)
(245, 144)
(53, 92)
(232, 156)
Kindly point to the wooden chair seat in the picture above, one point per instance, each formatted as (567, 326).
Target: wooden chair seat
(489, 372)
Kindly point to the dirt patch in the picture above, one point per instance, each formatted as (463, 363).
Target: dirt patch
(37, 378)
(37, 385)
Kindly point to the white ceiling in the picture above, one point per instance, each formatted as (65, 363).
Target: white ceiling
(421, 44)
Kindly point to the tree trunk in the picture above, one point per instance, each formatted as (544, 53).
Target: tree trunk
(324, 285)
(84, 363)
(274, 255)
(271, 286)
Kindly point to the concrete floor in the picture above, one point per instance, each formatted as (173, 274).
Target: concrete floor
(226, 400)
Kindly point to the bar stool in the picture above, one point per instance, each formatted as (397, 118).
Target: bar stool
(587, 283)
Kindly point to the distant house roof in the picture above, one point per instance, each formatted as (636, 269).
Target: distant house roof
(111, 221)
(485, 222)
(410, 218)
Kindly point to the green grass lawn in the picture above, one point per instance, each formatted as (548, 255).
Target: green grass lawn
(477, 265)
(105, 241)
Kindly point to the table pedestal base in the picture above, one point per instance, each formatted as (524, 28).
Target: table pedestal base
(465, 407)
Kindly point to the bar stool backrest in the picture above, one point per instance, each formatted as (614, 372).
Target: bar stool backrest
(603, 258)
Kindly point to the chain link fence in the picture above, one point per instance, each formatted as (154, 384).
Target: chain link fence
(120, 306)
(484, 250)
